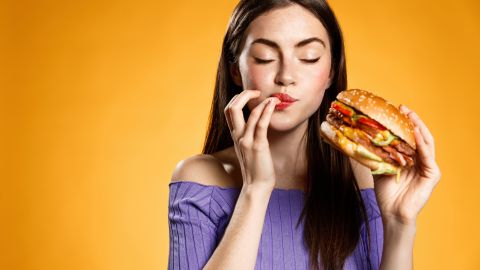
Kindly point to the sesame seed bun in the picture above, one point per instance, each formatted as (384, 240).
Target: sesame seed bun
(381, 111)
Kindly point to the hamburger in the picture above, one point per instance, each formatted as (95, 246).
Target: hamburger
(370, 130)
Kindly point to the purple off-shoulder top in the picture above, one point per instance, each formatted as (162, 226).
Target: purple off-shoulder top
(199, 214)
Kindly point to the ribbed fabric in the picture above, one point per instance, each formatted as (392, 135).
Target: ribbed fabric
(199, 214)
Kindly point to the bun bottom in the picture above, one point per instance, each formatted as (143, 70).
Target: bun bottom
(348, 147)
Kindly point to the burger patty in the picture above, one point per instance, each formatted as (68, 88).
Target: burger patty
(405, 148)
(389, 154)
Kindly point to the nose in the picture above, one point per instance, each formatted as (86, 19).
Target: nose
(285, 75)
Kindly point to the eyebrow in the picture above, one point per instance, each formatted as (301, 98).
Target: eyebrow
(302, 43)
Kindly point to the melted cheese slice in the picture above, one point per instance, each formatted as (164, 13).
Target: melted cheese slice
(352, 147)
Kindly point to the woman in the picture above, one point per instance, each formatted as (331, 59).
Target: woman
(284, 199)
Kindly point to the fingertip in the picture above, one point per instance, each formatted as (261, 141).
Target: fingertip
(412, 115)
(274, 103)
(253, 92)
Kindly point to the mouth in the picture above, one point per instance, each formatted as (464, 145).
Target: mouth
(283, 105)
(284, 97)
(285, 100)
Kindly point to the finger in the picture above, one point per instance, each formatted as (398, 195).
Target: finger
(427, 135)
(264, 121)
(425, 132)
(235, 109)
(404, 109)
(426, 156)
(254, 116)
(227, 115)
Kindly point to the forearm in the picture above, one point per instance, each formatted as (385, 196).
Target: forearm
(238, 248)
(398, 245)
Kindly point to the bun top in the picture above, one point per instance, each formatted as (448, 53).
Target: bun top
(381, 111)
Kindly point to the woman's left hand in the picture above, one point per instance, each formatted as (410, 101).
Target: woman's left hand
(402, 201)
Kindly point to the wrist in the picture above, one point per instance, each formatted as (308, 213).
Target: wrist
(257, 191)
(395, 226)
(399, 221)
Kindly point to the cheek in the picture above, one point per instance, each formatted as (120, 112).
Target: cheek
(314, 87)
(317, 83)
(320, 78)
(256, 77)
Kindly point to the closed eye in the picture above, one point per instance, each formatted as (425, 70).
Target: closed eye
(311, 60)
(262, 61)
(266, 61)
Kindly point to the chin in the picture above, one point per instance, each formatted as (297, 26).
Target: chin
(284, 124)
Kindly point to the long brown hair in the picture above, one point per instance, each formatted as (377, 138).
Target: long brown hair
(334, 209)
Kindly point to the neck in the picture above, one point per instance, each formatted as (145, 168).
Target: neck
(288, 150)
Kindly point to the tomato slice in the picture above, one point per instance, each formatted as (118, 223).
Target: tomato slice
(370, 122)
(342, 108)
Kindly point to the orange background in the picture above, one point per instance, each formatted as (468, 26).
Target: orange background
(100, 100)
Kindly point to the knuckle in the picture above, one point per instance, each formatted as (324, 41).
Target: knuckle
(258, 145)
(437, 175)
(262, 125)
(234, 108)
(257, 111)
(244, 142)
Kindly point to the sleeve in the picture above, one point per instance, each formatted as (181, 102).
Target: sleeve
(192, 231)
(364, 259)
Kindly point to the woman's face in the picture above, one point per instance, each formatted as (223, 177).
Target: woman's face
(286, 50)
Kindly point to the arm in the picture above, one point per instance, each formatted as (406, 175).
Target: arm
(398, 245)
(238, 248)
(400, 202)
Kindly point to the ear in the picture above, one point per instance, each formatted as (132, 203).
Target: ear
(235, 72)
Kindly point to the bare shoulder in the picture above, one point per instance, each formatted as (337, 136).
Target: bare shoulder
(205, 169)
(362, 174)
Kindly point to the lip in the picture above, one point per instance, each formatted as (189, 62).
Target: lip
(285, 100)
(284, 97)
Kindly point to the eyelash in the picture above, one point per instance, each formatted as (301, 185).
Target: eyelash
(262, 61)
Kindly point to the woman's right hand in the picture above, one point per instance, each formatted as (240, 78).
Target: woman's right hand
(250, 139)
